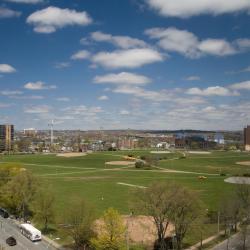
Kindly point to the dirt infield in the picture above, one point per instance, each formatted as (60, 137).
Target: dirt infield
(199, 152)
(141, 229)
(120, 163)
(243, 163)
(160, 152)
(71, 154)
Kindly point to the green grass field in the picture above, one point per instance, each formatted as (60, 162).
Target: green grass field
(87, 177)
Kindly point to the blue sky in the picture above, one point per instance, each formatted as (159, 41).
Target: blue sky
(118, 64)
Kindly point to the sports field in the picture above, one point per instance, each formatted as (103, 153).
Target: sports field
(106, 185)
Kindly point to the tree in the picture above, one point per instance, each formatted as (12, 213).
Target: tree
(43, 207)
(169, 203)
(111, 235)
(79, 218)
(187, 209)
(156, 201)
(19, 192)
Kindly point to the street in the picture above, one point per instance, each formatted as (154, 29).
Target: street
(9, 228)
(235, 243)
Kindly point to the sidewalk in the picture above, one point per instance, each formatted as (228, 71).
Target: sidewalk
(196, 246)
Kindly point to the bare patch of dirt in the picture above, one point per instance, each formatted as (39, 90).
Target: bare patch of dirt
(243, 163)
(120, 163)
(141, 229)
(68, 155)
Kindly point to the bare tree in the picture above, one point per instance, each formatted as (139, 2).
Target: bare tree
(79, 218)
(187, 209)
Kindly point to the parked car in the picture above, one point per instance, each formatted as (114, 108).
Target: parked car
(11, 241)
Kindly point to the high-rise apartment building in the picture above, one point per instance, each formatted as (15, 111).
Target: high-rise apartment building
(6, 137)
(247, 138)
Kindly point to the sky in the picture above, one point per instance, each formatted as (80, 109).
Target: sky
(119, 64)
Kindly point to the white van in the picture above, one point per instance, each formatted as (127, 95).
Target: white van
(30, 232)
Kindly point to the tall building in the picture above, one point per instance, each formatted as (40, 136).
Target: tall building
(247, 138)
(6, 137)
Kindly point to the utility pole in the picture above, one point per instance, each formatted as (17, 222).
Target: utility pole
(51, 125)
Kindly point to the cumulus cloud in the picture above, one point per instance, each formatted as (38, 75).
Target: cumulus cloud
(7, 13)
(123, 78)
(212, 91)
(241, 86)
(38, 86)
(124, 42)
(124, 112)
(50, 19)
(6, 68)
(103, 98)
(80, 55)
(184, 9)
(188, 44)
(131, 58)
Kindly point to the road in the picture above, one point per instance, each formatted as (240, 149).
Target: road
(235, 243)
(9, 228)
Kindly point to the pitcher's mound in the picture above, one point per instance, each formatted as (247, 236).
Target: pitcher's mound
(120, 163)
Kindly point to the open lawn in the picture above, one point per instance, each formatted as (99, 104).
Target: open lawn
(89, 178)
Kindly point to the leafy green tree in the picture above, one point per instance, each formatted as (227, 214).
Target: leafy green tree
(19, 193)
(43, 207)
(111, 235)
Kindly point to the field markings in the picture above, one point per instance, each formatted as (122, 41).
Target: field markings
(130, 185)
(45, 165)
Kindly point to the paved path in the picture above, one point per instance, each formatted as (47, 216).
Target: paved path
(9, 228)
(235, 243)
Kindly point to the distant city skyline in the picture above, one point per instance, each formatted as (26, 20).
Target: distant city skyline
(139, 64)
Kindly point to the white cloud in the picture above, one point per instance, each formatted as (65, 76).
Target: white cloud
(62, 65)
(172, 39)
(156, 96)
(187, 8)
(11, 92)
(188, 44)
(83, 110)
(7, 13)
(103, 98)
(241, 86)
(217, 47)
(5, 105)
(131, 58)
(123, 78)
(6, 68)
(192, 78)
(80, 55)
(63, 99)
(124, 112)
(212, 91)
(50, 19)
(124, 42)
(25, 1)
(31, 97)
(37, 109)
(243, 43)
(38, 86)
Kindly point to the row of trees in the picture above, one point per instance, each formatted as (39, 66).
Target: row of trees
(23, 195)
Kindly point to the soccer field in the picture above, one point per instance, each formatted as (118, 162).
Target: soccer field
(105, 186)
